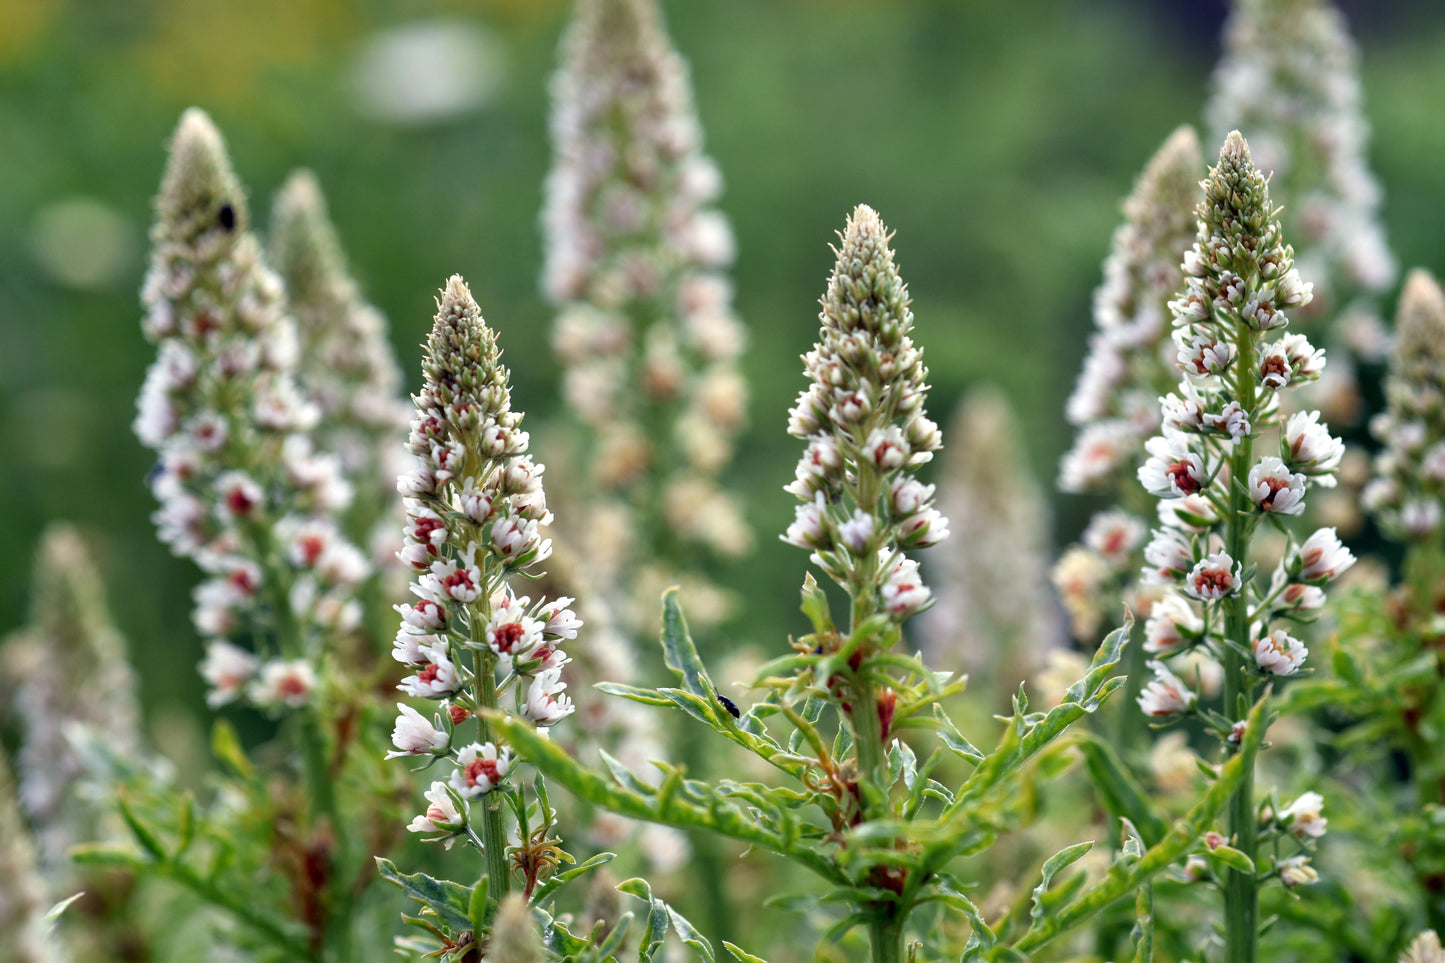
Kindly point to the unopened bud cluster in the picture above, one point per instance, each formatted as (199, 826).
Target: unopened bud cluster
(1290, 76)
(635, 261)
(1236, 356)
(475, 509)
(244, 490)
(863, 419)
(1408, 492)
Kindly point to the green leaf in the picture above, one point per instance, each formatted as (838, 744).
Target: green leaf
(451, 902)
(143, 834)
(53, 914)
(690, 936)
(655, 928)
(557, 880)
(1052, 866)
(107, 854)
(227, 748)
(1231, 857)
(741, 955)
(477, 909)
(1119, 791)
(648, 697)
(679, 653)
(1143, 932)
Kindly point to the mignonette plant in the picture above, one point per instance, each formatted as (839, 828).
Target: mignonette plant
(1236, 355)
(861, 807)
(285, 472)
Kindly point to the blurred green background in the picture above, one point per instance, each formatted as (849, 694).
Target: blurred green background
(996, 139)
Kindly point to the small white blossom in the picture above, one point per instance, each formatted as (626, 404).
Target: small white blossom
(1303, 816)
(1311, 448)
(1214, 577)
(283, 682)
(1166, 695)
(1322, 557)
(545, 705)
(1172, 625)
(1275, 488)
(227, 669)
(480, 769)
(1279, 653)
(414, 735)
(441, 816)
(1173, 469)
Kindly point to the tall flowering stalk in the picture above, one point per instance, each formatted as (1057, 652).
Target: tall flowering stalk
(24, 895)
(244, 491)
(635, 260)
(475, 508)
(1403, 693)
(1289, 76)
(347, 364)
(1236, 356)
(862, 807)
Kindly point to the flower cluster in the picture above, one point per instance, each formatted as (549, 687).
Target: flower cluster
(1130, 359)
(67, 672)
(1290, 76)
(863, 419)
(635, 255)
(1236, 356)
(1407, 494)
(348, 367)
(475, 510)
(244, 490)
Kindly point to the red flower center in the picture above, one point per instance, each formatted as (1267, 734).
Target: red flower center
(1180, 473)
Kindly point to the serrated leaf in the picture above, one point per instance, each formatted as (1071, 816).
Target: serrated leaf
(1052, 866)
(451, 902)
(689, 935)
(648, 697)
(557, 880)
(679, 652)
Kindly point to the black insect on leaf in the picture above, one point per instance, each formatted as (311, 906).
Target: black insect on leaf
(227, 217)
(729, 705)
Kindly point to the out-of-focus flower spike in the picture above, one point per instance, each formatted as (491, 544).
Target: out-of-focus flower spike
(1113, 403)
(994, 613)
(66, 668)
(24, 899)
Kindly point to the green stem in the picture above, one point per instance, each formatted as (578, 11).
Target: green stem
(494, 830)
(886, 937)
(1241, 896)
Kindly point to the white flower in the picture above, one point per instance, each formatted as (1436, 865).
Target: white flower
(407, 649)
(545, 706)
(1297, 871)
(1279, 653)
(1167, 556)
(904, 592)
(510, 632)
(1305, 360)
(559, 622)
(436, 678)
(288, 683)
(887, 448)
(226, 669)
(1214, 577)
(1303, 816)
(928, 527)
(820, 460)
(1232, 421)
(1114, 535)
(1275, 488)
(414, 735)
(1100, 449)
(1202, 355)
(1184, 411)
(1303, 598)
(456, 579)
(238, 495)
(1192, 513)
(810, 525)
(480, 769)
(1274, 366)
(857, 532)
(1322, 557)
(1172, 625)
(441, 815)
(427, 615)
(514, 537)
(1419, 517)
(1172, 468)
(1165, 695)
(1311, 448)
